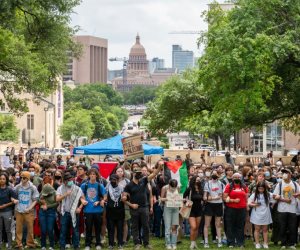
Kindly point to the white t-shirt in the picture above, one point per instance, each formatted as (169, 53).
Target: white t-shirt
(260, 215)
(287, 191)
(214, 189)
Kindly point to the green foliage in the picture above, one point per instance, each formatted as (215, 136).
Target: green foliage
(101, 102)
(250, 68)
(34, 39)
(77, 122)
(139, 95)
(8, 128)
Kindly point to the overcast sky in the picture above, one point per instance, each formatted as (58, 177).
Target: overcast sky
(120, 20)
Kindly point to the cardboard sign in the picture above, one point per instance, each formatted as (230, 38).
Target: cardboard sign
(5, 162)
(174, 200)
(132, 147)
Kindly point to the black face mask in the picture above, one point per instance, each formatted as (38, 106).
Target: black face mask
(138, 176)
(113, 184)
(57, 177)
(237, 181)
(214, 177)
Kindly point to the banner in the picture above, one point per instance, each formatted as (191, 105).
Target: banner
(174, 200)
(132, 147)
(5, 162)
(105, 168)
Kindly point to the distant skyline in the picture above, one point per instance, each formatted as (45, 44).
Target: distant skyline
(119, 21)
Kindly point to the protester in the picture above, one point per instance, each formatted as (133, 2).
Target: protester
(213, 192)
(136, 193)
(70, 195)
(115, 211)
(171, 214)
(235, 198)
(194, 193)
(47, 214)
(95, 195)
(27, 196)
(286, 193)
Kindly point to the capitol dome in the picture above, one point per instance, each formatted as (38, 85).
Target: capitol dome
(137, 49)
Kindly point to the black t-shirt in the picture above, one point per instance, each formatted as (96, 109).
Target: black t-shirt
(113, 211)
(5, 197)
(138, 192)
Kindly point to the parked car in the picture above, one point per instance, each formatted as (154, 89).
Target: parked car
(60, 151)
(221, 153)
(292, 152)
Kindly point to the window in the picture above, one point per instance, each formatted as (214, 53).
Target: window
(2, 107)
(30, 122)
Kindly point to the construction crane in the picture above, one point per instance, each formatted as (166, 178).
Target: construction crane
(186, 32)
(125, 62)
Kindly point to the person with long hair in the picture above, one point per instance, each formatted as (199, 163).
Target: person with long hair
(261, 213)
(171, 214)
(6, 208)
(194, 193)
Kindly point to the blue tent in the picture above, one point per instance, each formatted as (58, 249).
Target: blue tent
(113, 146)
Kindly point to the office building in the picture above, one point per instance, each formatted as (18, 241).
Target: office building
(182, 59)
(156, 63)
(92, 65)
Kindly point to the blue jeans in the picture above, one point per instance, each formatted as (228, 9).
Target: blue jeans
(158, 220)
(66, 223)
(47, 220)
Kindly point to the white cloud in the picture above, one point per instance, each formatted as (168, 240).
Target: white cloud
(120, 20)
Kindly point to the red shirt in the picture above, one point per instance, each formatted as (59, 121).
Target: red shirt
(237, 192)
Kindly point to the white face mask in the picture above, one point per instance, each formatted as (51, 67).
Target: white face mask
(207, 174)
(200, 175)
(285, 176)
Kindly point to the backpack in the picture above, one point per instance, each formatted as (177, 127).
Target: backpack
(99, 189)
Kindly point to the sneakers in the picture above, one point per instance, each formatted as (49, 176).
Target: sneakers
(148, 247)
(169, 247)
(292, 247)
(110, 247)
(98, 247)
(119, 247)
(43, 248)
(220, 245)
(265, 246)
(283, 247)
(137, 247)
(174, 247)
(257, 246)
(68, 246)
(51, 248)
(87, 248)
(206, 245)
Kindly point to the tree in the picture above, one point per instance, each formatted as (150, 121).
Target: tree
(34, 39)
(139, 95)
(8, 128)
(78, 123)
(251, 65)
(103, 129)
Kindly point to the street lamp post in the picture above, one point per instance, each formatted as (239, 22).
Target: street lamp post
(46, 109)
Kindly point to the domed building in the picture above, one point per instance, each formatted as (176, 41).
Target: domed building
(137, 63)
(137, 71)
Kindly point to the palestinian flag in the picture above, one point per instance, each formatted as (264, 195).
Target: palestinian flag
(177, 170)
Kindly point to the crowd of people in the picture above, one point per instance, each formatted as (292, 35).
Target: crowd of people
(60, 202)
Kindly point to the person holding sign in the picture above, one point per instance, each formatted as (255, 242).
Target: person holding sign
(172, 200)
(135, 196)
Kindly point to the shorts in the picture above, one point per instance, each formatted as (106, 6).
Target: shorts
(213, 209)
(196, 211)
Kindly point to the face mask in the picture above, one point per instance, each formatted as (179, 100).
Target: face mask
(214, 177)
(138, 176)
(32, 174)
(201, 175)
(70, 183)
(207, 174)
(285, 176)
(237, 181)
(113, 184)
(267, 174)
(57, 177)
(279, 180)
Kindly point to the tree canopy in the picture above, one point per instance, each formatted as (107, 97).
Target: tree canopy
(8, 128)
(139, 95)
(34, 39)
(98, 101)
(250, 68)
(248, 75)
